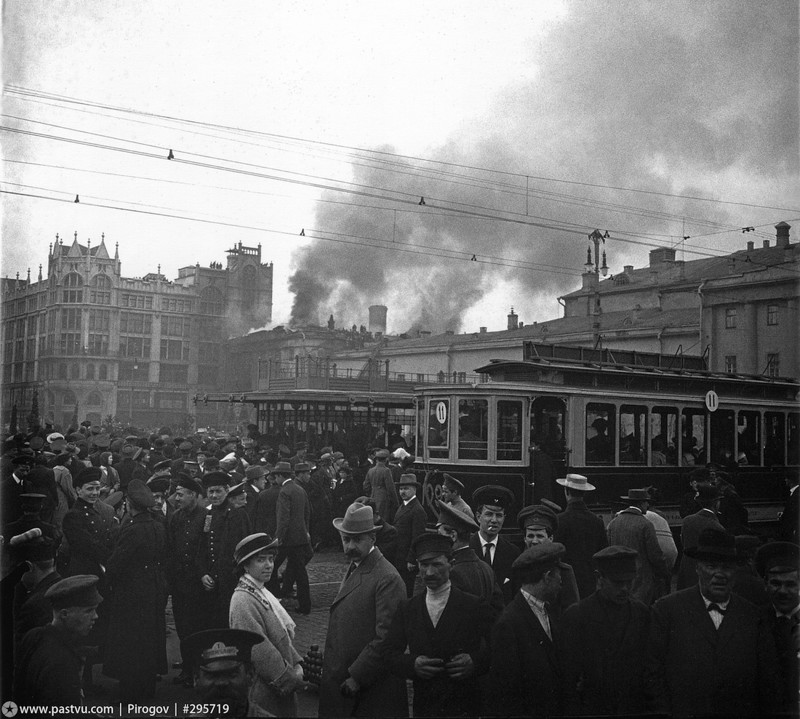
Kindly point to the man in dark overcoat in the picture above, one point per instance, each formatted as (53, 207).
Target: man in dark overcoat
(265, 517)
(190, 602)
(581, 531)
(11, 487)
(706, 495)
(603, 642)
(223, 529)
(710, 652)
(409, 521)
(31, 607)
(525, 669)
(446, 632)
(137, 625)
(380, 486)
(493, 502)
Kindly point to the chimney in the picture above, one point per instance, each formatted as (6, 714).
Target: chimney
(782, 234)
(766, 243)
(377, 319)
(449, 332)
(628, 269)
(512, 320)
(661, 255)
(424, 333)
(482, 330)
(750, 245)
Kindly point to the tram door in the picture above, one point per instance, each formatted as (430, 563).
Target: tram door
(548, 446)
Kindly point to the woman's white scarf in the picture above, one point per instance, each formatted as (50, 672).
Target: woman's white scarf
(268, 600)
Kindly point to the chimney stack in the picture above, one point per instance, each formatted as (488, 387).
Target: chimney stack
(766, 243)
(482, 330)
(377, 319)
(512, 320)
(782, 234)
(750, 245)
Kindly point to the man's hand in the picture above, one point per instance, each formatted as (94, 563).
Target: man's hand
(460, 666)
(208, 582)
(428, 667)
(349, 687)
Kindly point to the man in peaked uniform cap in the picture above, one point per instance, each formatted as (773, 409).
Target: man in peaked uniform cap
(710, 652)
(604, 642)
(493, 502)
(409, 521)
(51, 658)
(355, 681)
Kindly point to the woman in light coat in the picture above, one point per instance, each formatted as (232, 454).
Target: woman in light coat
(254, 608)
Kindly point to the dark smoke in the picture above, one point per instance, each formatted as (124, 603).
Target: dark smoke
(683, 97)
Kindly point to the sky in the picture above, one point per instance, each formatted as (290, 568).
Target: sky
(445, 159)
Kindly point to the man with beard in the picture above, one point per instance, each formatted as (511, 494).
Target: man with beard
(136, 623)
(223, 669)
(51, 658)
(355, 681)
(710, 652)
(190, 604)
(603, 641)
(223, 529)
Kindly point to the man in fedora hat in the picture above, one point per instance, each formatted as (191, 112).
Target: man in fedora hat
(409, 521)
(582, 532)
(631, 528)
(710, 652)
(355, 681)
(706, 496)
(604, 642)
(446, 633)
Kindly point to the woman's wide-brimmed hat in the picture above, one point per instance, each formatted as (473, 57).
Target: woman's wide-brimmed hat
(253, 544)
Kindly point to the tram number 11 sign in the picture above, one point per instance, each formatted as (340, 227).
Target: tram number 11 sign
(441, 413)
(712, 401)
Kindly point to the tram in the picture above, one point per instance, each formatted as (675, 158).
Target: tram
(621, 418)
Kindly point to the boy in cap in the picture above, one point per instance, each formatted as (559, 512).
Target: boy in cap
(524, 640)
(446, 632)
(452, 490)
(409, 521)
(51, 658)
(603, 641)
(493, 501)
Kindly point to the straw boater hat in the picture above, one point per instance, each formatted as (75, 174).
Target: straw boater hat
(576, 481)
(253, 544)
(358, 519)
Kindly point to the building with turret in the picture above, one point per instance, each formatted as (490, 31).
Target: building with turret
(94, 344)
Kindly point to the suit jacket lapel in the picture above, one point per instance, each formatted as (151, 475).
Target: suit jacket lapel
(700, 617)
(354, 580)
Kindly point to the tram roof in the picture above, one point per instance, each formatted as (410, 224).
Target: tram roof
(312, 395)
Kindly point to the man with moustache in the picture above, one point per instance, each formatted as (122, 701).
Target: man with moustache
(710, 652)
(51, 658)
(355, 681)
(603, 641)
(190, 601)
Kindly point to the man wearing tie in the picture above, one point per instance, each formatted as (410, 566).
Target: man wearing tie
(710, 652)
(355, 681)
(493, 502)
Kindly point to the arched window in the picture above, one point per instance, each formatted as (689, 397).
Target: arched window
(89, 371)
(95, 399)
(211, 301)
(73, 288)
(101, 290)
(249, 287)
(103, 373)
(69, 398)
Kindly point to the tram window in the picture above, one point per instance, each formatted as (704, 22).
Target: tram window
(664, 433)
(748, 438)
(722, 436)
(693, 437)
(632, 434)
(439, 428)
(547, 426)
(793, 444)
(509, 430)
(774, 439)
(600, 426)
(473, 429)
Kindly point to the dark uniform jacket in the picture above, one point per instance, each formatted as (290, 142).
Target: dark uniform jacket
(49, 668)
(524, 674)
(603, 648)
(693, 668)
(265, 518)
(472, 575)
(90, 535)
(504, 555)
(583, 534)
(137, 626)
(409, 521)
(463, 627)
(294, 515)
(184, 537)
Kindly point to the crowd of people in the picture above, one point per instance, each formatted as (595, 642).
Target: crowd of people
(100, 531)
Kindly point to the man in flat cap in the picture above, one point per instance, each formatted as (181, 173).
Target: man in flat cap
(137, 623)
(603, 642)
(779, 565)
(190, 601)
(223, 529)
(223, 669)
(446, 633)
(710, 652)
(706, 497)
(539, 523)
(355, 681)
(452, 490)
(524, 640)
(631, 528)
(381, 487)
(580, 531)
(51, 658)
(493, 502)
(469, 573)
(409, 521)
